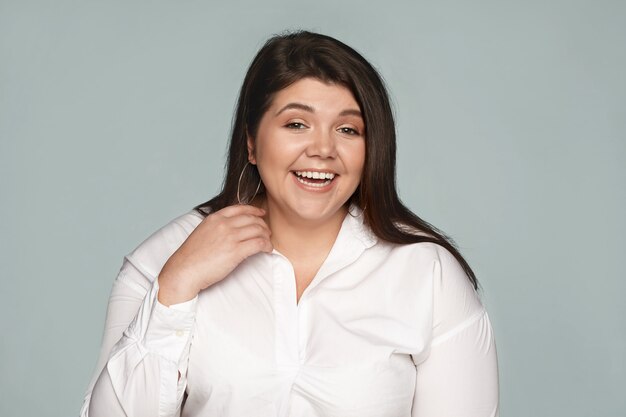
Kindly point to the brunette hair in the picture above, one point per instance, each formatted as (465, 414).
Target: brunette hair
(287, 58)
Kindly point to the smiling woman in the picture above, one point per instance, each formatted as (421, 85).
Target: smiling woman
(311, 130)
(320, 293)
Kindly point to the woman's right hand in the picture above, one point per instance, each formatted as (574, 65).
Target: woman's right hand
(216, 246)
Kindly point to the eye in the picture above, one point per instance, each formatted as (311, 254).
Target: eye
(349, 131)
(295, 125)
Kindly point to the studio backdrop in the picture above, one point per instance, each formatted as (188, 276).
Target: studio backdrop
(511, 119)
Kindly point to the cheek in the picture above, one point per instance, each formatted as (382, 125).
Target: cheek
(357, 157)
(273, 160)
(265, 154)
(280, 153)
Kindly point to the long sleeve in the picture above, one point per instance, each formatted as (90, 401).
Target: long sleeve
(145, 345)
(459, 377)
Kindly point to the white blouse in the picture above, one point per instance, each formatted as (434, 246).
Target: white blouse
(383, 330)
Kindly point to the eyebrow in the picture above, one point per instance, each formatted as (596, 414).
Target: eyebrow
(307, 108)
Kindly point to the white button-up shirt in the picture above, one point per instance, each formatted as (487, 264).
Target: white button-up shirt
(383, 330)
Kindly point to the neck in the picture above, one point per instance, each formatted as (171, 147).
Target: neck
(298, 238)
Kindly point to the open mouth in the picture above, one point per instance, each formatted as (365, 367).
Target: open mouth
(314, 178)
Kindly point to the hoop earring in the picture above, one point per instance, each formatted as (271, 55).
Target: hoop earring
(239, 185)
(362, 210)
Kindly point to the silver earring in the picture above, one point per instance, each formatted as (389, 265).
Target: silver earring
(239, 185)
(362, 209)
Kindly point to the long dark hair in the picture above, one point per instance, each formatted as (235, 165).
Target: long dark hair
(287, 58)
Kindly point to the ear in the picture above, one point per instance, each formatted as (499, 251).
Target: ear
(251, 156)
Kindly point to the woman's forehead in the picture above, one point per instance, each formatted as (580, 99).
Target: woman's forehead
(315, 96)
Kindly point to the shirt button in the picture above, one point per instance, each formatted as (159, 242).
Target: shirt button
(180, 333)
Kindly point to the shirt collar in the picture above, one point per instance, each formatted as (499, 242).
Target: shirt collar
(353, 239)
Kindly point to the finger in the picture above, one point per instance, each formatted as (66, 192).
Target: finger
(239, 209)
(253, 246)
(245, 220)
(250, 232)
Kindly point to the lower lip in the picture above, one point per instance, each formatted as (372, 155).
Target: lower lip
(316, 189)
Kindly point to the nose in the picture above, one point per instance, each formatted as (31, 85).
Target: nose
(322, 144)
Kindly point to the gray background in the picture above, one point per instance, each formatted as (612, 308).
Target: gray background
(511, 116)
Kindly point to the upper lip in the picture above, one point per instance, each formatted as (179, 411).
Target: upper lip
(330, 171)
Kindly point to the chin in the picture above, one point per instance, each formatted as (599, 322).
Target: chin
(316, 211)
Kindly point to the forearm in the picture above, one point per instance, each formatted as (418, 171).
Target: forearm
(145, 373)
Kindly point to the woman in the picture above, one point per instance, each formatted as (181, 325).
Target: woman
(305, 288)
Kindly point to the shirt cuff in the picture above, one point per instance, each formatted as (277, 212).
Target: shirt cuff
(186, 306)
(167, 330)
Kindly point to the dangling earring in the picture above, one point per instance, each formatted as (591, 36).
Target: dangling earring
(239, 185)
(362, 210)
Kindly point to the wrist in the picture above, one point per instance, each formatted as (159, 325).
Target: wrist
(173, 290)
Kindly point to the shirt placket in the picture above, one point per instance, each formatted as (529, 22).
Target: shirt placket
(290, 331)
(288, 326)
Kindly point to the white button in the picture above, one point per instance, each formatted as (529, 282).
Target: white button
(180, 333)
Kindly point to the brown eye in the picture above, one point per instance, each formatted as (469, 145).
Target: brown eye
(295, 125)
(348, 131)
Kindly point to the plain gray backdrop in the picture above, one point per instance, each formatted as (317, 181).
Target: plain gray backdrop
(511, 118)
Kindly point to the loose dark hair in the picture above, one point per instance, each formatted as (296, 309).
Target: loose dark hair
(287, 58)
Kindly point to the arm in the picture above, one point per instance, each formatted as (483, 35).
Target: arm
(142, 370)
(459, 377)
(144, 350)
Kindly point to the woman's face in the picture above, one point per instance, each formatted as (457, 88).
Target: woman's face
(310, 150)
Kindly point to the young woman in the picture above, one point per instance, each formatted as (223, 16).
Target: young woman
(305, 288)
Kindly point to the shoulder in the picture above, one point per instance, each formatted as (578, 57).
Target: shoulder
(456, 303)
(418, 257)
(452, 297)
(152, 253)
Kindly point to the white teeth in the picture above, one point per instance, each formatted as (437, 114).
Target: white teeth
(313, 184)
(315, 174)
